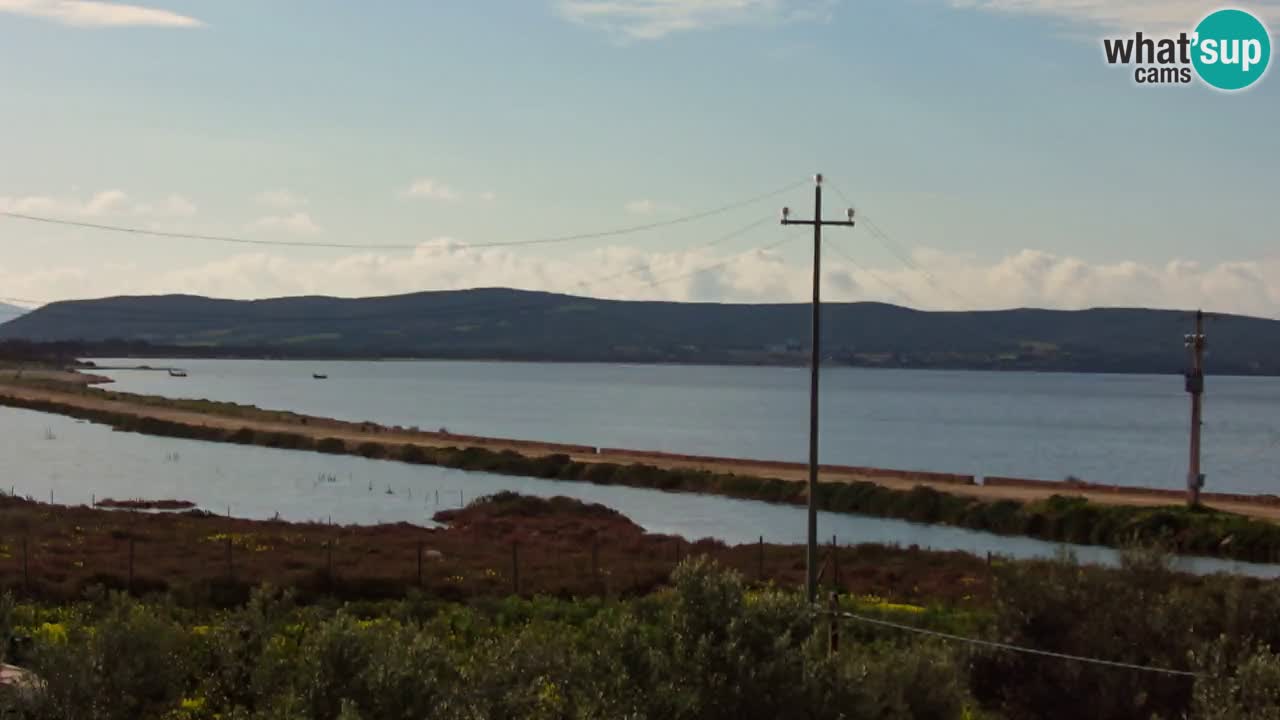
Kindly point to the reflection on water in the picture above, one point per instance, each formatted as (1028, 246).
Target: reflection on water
(78, 461)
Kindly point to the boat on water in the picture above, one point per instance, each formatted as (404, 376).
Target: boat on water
(319, 376)
(175, 372)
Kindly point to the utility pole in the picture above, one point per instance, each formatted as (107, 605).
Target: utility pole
(815, 359)
(1195, 385)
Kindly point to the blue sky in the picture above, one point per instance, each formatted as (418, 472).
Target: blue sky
(987, 138)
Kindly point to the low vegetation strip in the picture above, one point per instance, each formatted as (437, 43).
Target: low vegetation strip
(113, 504)
(561, 546)
(913, 475)
(1201, 531)
(704, 641)
(1163, 493)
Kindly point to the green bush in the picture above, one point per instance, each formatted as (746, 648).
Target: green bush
(243, 436)
(704, 648)
(333, 446)
(415, 454)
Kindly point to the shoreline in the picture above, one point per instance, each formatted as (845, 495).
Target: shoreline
(826, 364)
(1055, 511)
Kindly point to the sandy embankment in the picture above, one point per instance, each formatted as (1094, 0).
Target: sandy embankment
(1265, 507)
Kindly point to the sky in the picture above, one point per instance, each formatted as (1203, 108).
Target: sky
(993, 158)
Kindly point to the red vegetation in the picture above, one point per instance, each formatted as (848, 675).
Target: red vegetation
(561, 546)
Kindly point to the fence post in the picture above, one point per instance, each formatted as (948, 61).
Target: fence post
(835, 563)
(515, 568)
(677, 551)
(833, 637)
(760, 572)
(26, 567)
(419, 563)
(131, 563)
(595, 561)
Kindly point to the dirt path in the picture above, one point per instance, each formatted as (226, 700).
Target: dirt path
(319, 428)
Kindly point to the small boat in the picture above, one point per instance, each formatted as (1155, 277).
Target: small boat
(175, 372)
(319, 376)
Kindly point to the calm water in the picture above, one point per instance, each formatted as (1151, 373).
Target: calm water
(77, 461)
(1122, 429)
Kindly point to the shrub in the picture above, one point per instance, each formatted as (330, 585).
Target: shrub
(415, 454)
(333, 446)
(243, 436)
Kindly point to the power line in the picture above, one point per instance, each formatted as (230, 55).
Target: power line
(898, 251)
(649, 265)
(72, 307)
(900, 293)
(1017, 648)
(616, 232)
(732, 259)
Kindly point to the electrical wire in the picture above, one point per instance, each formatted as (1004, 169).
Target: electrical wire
(78, 307)
(724, 263)
(649, 266)
(898, 251)
(615, 232)
(898, 292)
(1017, 648)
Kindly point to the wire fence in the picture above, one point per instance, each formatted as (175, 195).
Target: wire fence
(203, 558)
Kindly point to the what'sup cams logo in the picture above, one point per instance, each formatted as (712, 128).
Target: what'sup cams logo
(1229, 50)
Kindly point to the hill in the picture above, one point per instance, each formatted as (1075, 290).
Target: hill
(512, 324)
(9, 312)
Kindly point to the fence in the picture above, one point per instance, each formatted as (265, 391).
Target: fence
(59, 555)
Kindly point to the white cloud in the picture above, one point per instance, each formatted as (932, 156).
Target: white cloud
(653, 19)
(178, 205)
(298, 223)
(1029, 278)
(108, 203)
(648, 207)
(641, 207)
(280, 199)
(1124, 15)
(28, 205)
(431, 189)
(105, 203)
(97, 13)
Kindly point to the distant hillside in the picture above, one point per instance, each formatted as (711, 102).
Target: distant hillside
(9, 312)
(511, 324)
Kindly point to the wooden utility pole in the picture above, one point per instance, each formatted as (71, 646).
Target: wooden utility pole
(815, 358)
(1195, 386)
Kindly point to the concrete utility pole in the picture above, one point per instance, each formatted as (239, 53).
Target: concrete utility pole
(815, 358)
(1195, 385)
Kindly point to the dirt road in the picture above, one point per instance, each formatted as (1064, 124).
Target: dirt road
(318, 428)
